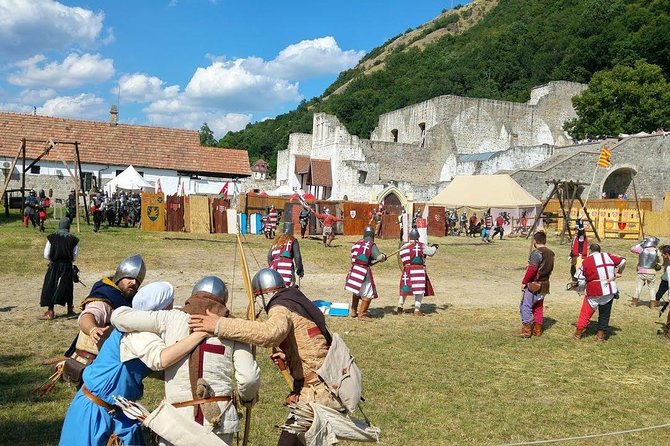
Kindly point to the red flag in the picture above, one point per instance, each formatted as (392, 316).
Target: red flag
(159, 189)
(223, 193)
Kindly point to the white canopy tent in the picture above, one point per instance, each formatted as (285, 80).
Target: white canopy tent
(281, 190)
(484, 192)
(129, 180)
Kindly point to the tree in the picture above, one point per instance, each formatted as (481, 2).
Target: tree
(625, 99)
(207, 136)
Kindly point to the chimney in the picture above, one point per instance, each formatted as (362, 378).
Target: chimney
(113, 116)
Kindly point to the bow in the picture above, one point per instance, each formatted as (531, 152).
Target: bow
(251, 315)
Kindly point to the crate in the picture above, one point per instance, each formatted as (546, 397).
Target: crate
(339, 309)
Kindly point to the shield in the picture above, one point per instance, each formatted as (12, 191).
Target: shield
(352, 213)
(153, 212)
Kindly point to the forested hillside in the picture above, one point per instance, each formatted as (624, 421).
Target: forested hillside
(518, 44)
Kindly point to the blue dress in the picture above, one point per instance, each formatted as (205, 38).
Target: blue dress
(86, 423)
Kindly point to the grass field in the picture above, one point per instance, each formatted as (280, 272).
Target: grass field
(454, 377)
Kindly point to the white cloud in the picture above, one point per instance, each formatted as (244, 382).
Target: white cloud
(83, 106)
(74, 71)
(140, 87)
(312, 58)
(34, 26)
(193, 119)
(32, 97)
(15, 108)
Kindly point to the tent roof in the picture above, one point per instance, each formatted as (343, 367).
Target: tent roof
(281, 190)
(129, 179)
(484, 191)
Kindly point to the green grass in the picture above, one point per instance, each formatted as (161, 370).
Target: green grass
(454, 377)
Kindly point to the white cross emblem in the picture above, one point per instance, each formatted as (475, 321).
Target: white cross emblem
(417, 250)
(404, 279)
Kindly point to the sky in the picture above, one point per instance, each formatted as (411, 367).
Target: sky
(181, 63)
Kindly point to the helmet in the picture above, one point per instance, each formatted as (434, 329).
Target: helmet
(33, 193)
(288, 228)
(414, 234)
(650, 242)
(266, 281)
(368, 233)
(326, 211)
(214, 286)
(131, 267)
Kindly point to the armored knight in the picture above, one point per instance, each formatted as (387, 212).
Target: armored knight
(284, 256)
(360, 281)
(647, 265)
(414, 278)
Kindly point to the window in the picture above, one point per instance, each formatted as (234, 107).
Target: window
(35, 170)
(362, 176)
(89, 180)
(394, 133)
(422, 135)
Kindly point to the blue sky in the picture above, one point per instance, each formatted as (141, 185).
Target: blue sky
(179, 63)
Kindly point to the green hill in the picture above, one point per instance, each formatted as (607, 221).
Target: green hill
(489, 49)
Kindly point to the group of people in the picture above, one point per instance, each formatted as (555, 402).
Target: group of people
(126, 332)
(116, 209)
(35, 209)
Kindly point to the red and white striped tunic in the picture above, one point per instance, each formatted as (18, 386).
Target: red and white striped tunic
(282, 261)
(414, 279)
(360, 270)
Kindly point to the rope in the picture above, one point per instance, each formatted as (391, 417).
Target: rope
(586, 437)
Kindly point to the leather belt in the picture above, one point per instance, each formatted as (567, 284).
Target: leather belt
(84, 354)
(201, 401)
(104, 404)
(310, 379)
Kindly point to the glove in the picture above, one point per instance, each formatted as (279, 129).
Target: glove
(381, 258)
(300, 272)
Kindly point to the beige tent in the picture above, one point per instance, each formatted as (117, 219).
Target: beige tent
(483, 192)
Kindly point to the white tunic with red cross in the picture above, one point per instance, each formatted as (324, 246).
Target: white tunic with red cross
(599, 272)
(360, 274)
(414, 279)
(282, 261)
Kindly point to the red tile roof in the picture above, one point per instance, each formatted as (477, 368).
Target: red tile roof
(321, 174)
(301, 164)
(102, 143)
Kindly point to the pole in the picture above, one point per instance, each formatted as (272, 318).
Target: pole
(637, 205)
(81, 178)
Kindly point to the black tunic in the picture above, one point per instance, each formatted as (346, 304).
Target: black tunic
(57, 288)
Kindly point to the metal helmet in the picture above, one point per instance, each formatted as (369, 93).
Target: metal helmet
(414, 234)
(650, 242)
(368, 233)
(214, 286)
(326, 211)
(267, 281)
(288, 228)
(132, 267)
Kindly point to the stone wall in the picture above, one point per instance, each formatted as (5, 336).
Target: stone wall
(647, 157)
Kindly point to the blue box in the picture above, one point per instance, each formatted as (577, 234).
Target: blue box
(322, 305)
(339, 309)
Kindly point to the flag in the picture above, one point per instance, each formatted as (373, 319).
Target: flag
(223, 193)
(182, 193)
(604, 160)
(159, 189)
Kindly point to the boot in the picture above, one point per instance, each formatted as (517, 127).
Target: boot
(525, 332)
(653, 303)
(47, 316)
(399, 310)
(537, 330)
(634, 302)
(578, 333)
(418, 313)
(601, 336)
(354, 305)
(70, 311)
(363, 312)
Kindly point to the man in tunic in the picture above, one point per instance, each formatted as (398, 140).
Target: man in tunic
(535, 286)
(597, 276)
(327, 220)
(294, 325)
(271, 222)
(303, 217)
(200, 386)
(284, 256)
(61, 249)
(414, 278)
(106, 295)
(124, 361)
(579, 248)
(30, 209)
(71, 205)
(647, 265)
(360, 282)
